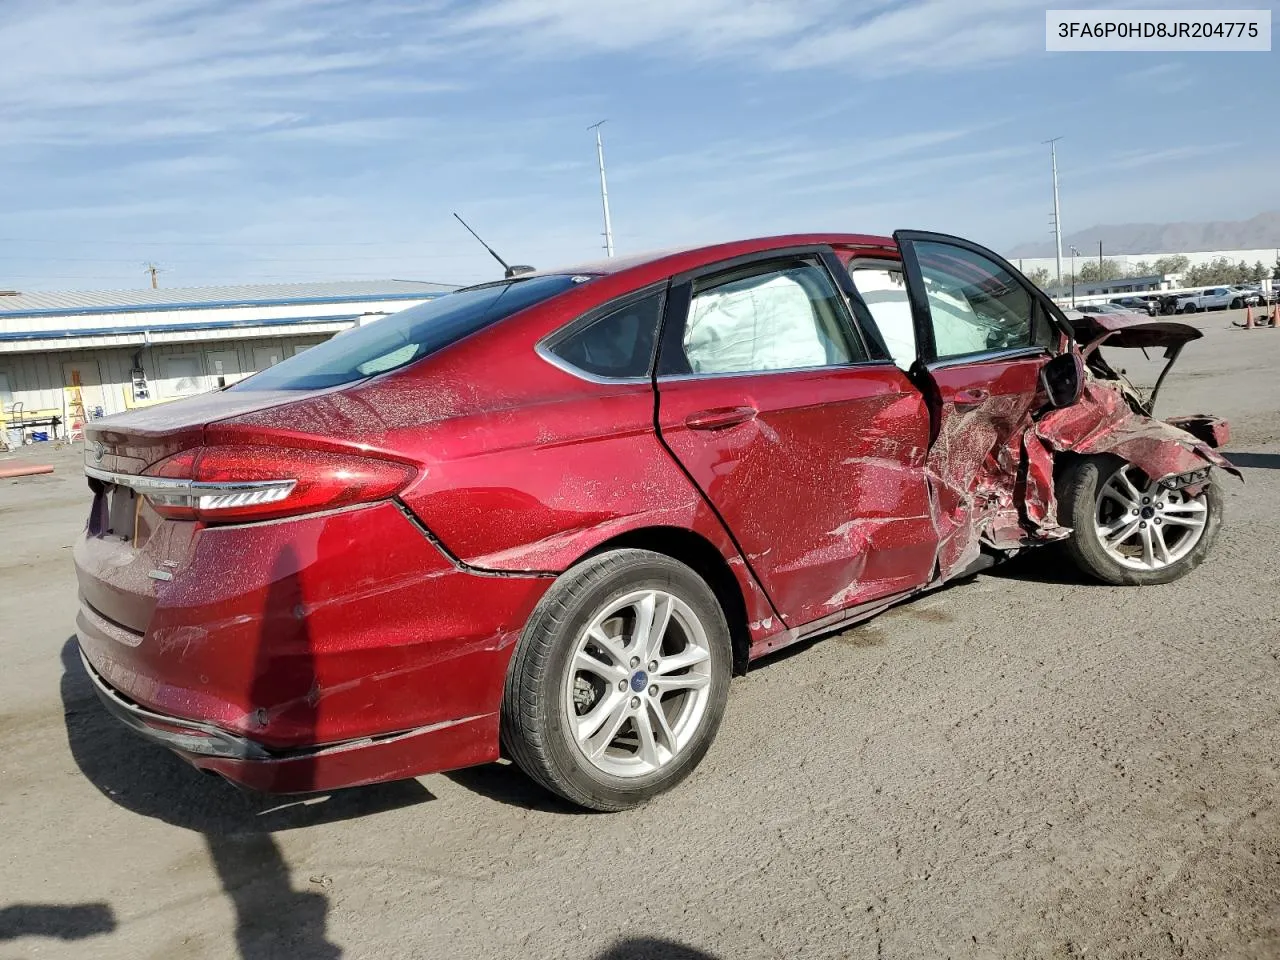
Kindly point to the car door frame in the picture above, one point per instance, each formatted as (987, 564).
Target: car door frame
(920, 301)
(928, 364)
(859, 325)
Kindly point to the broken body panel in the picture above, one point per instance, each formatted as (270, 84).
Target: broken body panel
(372, 641)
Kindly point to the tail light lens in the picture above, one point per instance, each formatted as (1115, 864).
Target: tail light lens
(234, 484)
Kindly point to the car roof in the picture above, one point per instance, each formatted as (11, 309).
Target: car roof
(680, 259)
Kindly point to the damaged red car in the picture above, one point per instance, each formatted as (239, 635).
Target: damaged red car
(549, 517)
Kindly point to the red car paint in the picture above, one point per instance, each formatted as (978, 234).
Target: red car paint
(371, 642)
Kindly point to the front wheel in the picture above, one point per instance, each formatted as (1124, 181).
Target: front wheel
(617, 686)
(1237, 304)
(1130, 530)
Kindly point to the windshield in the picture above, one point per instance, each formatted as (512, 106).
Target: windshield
(404, 337)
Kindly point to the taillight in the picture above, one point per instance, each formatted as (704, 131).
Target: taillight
(237, 483)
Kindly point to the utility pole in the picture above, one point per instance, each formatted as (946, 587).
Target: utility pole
(1074, 252)
(604, 189)
(152, 269)
(1099, 259)
(1057, 218)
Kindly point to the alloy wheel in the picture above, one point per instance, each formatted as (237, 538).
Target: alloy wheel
(639, 682)
(1144, 526)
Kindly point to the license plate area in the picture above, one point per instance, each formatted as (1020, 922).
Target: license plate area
(116, 509)
(123, 512)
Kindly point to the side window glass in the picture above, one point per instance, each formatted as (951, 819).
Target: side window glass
(975, 305)
(786, 317)
(884, 291)
(617, 345)
(1043, 333)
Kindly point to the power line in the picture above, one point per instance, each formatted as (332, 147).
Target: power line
(248, 258)
(232, 243)
(234, 279)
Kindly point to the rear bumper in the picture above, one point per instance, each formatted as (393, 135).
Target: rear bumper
(188, 737)
(327, 651)
(441, 746)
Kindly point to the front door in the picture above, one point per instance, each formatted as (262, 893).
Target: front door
(983, 333)
(810, 449)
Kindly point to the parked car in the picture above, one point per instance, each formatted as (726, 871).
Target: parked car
(1218, 298)
(550, 516)
(1109, 308)
(1147, 305)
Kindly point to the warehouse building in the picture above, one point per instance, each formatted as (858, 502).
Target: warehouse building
(66, 357)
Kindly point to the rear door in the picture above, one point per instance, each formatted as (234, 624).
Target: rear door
(806, 439)
(983, 333)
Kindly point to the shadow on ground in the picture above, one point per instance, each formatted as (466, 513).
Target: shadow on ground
(1047, 564)
(644, 948)
(273, 919)
(506, 783)
(61, 922)
(1258, 461)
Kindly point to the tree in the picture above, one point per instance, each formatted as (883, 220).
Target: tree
(1210, 272)
(1219, 270)
(1167, 265)
(1041, 278)
(1142, 268)
(1275, 273)
(1092, 271)
(1259, 272)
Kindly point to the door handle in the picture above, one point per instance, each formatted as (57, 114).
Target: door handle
(719, 418)
(971, 398)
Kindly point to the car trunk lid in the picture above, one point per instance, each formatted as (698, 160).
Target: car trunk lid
(129, 551)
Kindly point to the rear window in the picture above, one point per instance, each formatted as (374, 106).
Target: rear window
(407, 336)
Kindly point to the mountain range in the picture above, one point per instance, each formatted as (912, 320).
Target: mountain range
(1139, 238)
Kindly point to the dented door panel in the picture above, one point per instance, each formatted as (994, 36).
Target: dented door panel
(822, 484)
(973, 463)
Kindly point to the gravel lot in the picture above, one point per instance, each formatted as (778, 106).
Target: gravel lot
(1024, 765)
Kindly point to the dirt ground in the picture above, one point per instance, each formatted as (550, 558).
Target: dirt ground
(1024, 765)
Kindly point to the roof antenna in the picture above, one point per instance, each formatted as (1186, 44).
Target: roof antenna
(511, 272)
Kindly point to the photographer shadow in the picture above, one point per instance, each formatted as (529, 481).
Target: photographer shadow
(273, 919)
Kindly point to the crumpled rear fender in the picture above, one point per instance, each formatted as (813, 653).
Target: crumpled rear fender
(1103, 423)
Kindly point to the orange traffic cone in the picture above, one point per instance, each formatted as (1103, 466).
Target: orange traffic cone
(1248, 317)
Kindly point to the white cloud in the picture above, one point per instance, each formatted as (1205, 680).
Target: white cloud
(861, 37)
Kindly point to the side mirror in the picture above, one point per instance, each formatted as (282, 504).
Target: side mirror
(1063, 379)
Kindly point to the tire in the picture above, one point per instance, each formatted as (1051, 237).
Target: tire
(1189, 308)
(1083, 507)
(1237, 304)
(547, 706)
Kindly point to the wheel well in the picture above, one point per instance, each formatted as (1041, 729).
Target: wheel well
(699, 554)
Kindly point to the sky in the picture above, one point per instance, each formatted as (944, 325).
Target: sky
(239, 141)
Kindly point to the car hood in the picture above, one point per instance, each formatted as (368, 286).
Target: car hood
(1135, 330)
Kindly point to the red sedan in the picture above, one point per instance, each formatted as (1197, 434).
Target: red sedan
(551, 516)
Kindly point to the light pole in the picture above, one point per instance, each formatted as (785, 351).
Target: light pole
(1074, 253)
(604, 189)
(1057, 218)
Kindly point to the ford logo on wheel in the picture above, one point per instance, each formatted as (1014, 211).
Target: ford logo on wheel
(99, 451)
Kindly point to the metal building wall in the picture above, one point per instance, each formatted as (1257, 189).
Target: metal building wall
(37, 379)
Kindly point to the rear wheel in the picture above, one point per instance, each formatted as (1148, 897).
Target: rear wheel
(618, 684)
(1130, 530)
